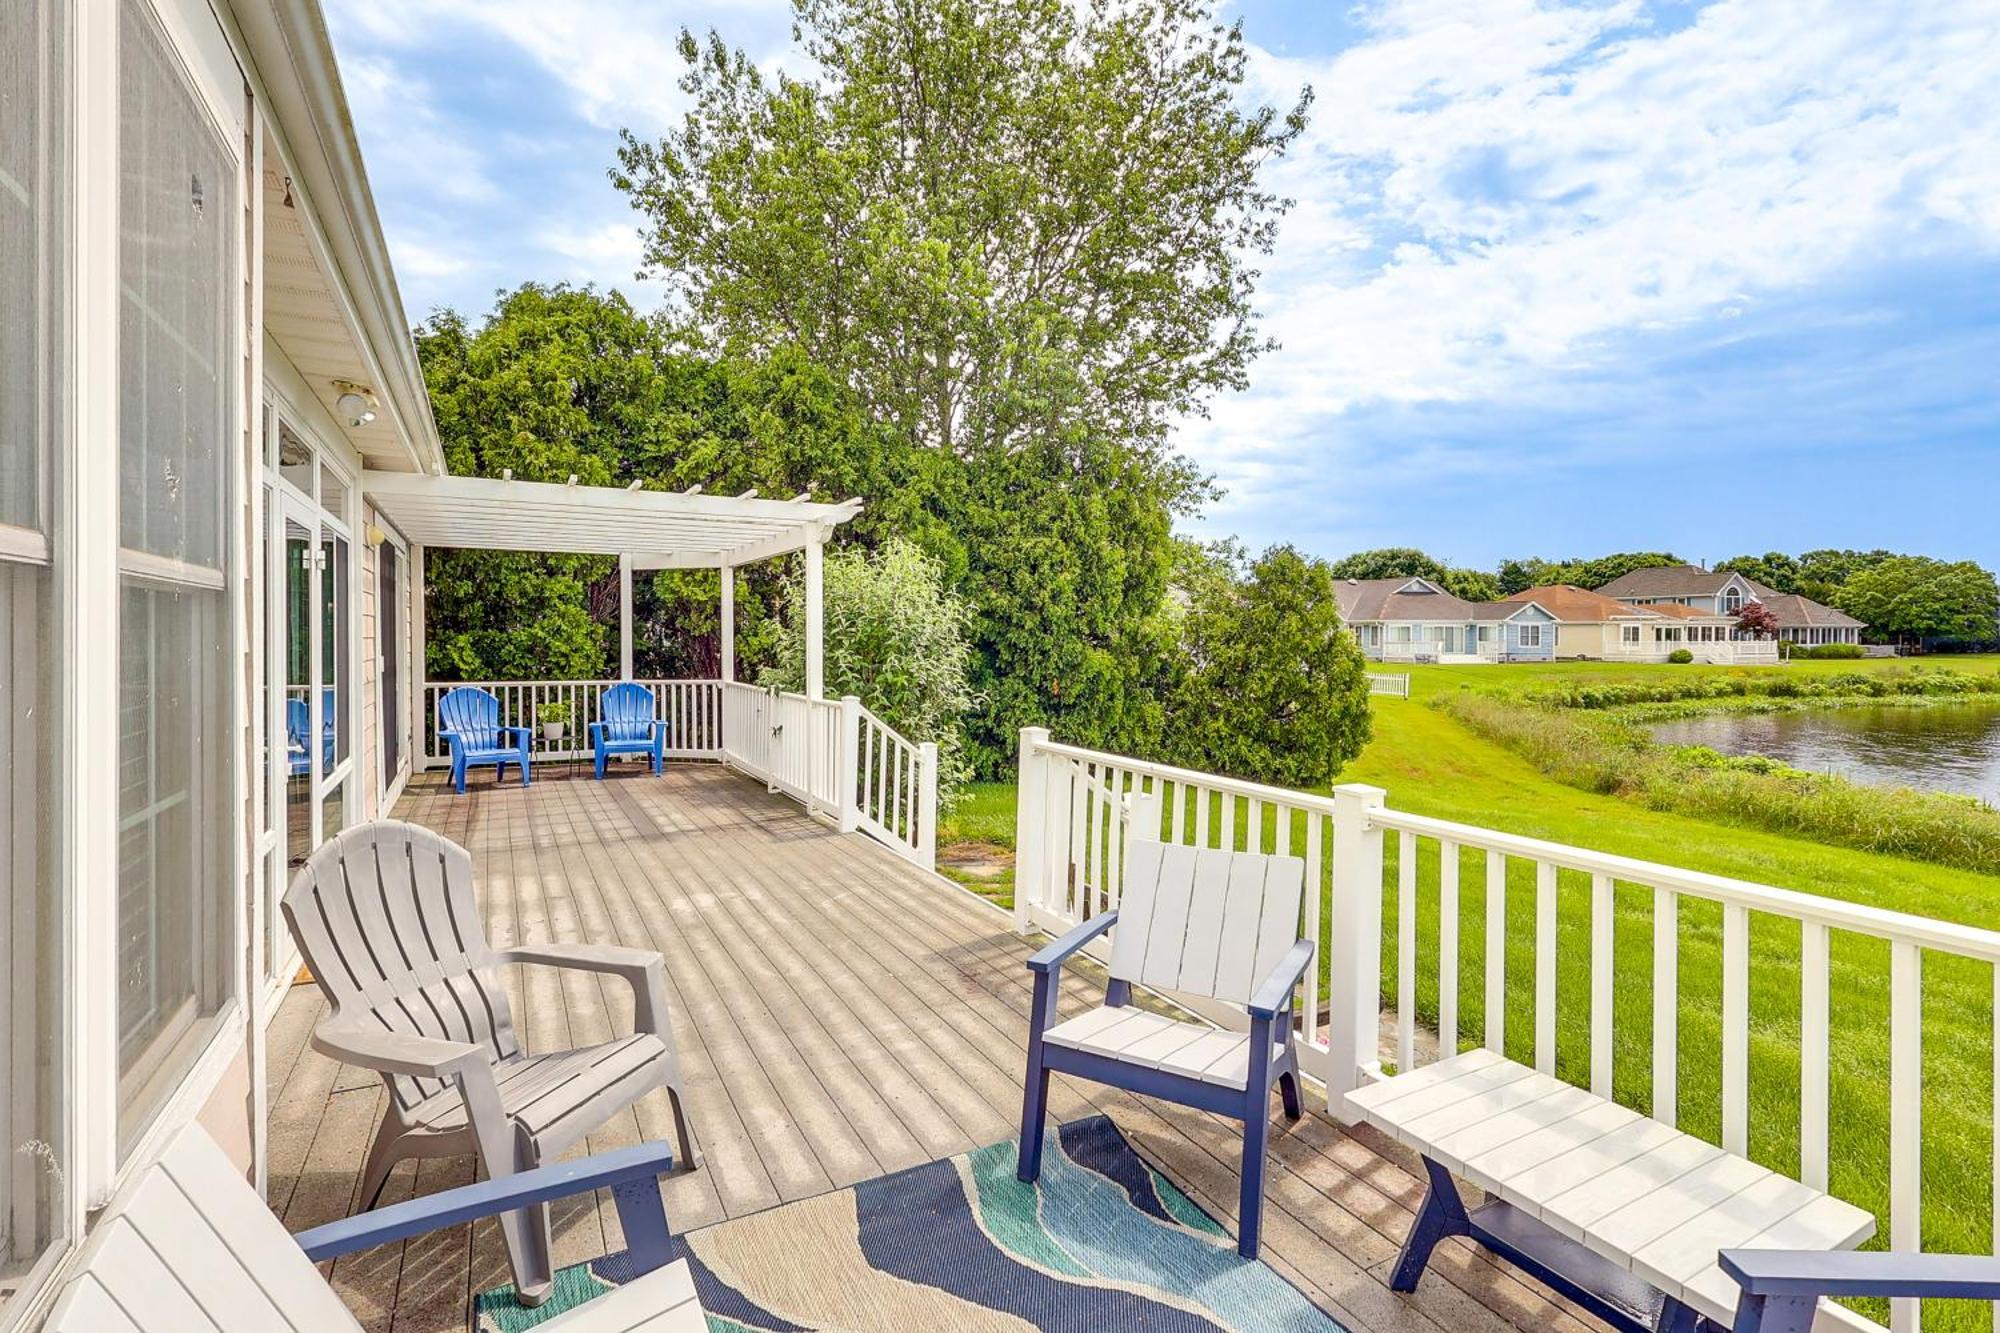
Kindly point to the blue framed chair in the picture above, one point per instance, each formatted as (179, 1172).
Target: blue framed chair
(628, 724)
(469, 720)
(298, 721)
(188, 1243)
(1781, 1289)
(1204, 921)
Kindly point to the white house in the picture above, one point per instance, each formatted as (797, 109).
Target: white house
(1416, 620)
(218, 471)
(1591, 625)
(1800, 619)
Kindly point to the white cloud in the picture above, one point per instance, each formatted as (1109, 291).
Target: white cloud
(1494, 193)
(413, 141)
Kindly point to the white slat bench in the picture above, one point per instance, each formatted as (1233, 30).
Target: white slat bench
(1622, 1214)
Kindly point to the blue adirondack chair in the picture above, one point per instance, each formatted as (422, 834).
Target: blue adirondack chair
(298, 721)
(629, 725)
(1203, 921)
(469, 721)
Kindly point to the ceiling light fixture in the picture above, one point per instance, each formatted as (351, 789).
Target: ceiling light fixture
(356, 404)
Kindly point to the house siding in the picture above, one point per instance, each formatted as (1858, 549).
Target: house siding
(1515, 650)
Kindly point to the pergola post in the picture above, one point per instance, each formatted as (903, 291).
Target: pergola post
(816, 615)
(624, 617)
(419, 670)
(728, 617)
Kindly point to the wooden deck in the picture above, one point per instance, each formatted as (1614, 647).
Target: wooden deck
(841, 1014)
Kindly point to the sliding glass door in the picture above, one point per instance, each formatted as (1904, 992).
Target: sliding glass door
(308, 663)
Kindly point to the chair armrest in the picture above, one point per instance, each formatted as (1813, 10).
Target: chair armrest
(560, 1180)
(596, 729)
(643, 969)
(1276, 991)
(1846, 1273)
(404, 1053)
(1054, 955)
(524, 731)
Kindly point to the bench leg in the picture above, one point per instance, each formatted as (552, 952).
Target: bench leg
(1250, 1205)
(1775, 1314)
(1443, 1214)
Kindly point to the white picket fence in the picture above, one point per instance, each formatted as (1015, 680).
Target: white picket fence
(1076, 807)
(833, 756)
(1396, 683)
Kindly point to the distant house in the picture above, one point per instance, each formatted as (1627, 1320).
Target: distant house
(1800, 619)
(1591, 625)
(1415, 620)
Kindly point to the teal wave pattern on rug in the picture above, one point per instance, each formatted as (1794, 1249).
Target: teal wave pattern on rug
(1102, 1242)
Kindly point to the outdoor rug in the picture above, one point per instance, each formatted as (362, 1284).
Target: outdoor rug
(1103, 1242)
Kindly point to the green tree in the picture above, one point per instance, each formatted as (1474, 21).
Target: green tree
(1474, 585)
(1389, 562)
(1593, 572)
(1774, 569)
(1275, 689)
(556, 383)
(997, 220)
(1023, 235)
(898, 639)
(1913, 598)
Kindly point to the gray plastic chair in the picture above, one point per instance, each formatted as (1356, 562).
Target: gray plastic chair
(386, 917)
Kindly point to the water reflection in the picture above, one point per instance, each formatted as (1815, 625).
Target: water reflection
(1951, 747)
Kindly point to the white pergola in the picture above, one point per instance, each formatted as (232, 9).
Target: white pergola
(644, 529)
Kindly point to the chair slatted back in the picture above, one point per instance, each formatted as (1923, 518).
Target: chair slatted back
(188, 1244)
(627, 711)
(474, 714)
(1205, 920)
(387, 919)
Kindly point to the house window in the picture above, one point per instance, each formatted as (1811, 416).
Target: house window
(1629, 635)
(1531, 636)
(35, 1156)
(1732, 601)
(178, 219)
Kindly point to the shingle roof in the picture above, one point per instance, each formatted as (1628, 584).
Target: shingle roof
(1384, 599)
(1803, 612)
(1578, 606)
(1680, 612)
(1669, 581)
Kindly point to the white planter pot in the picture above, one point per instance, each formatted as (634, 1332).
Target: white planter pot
(552, 731)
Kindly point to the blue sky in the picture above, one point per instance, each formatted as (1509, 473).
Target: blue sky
(1561, 278)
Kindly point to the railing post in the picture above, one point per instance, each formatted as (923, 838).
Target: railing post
(927, 798)
(1031, 834)
(1354, 934)
(847, 772)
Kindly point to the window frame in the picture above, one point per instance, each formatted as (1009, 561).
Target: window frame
(197, 50)
(1521, 633)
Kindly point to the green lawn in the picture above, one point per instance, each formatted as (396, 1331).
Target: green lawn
(1431, 765)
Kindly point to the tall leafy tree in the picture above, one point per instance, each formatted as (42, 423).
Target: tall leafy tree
(1275, 689)
(994, 219)
(1593, 572)
(1912, 598)
(1022, 234)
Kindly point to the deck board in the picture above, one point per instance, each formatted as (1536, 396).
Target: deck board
(840, 1015)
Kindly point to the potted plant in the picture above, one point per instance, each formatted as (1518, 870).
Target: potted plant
(554, 718)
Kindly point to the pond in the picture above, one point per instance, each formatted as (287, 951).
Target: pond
(1949, 747)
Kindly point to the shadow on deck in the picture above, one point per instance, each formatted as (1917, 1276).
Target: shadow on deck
(841, 1015)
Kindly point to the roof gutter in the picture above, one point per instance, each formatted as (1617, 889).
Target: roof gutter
(293, 53)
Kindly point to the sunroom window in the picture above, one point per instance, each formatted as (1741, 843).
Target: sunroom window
(34, 198)
(179, 217)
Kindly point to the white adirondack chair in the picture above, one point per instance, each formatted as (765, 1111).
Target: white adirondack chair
(387, 919)
(189, 1246)
(1209, 922)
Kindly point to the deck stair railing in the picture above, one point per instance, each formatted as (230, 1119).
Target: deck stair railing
(1434, 918)
(833, 756)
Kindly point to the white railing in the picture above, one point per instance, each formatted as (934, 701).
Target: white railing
(837, 758)
(1692, 933)
(692, 710)
(833, 756)
(895, 790)
(1395, 683)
